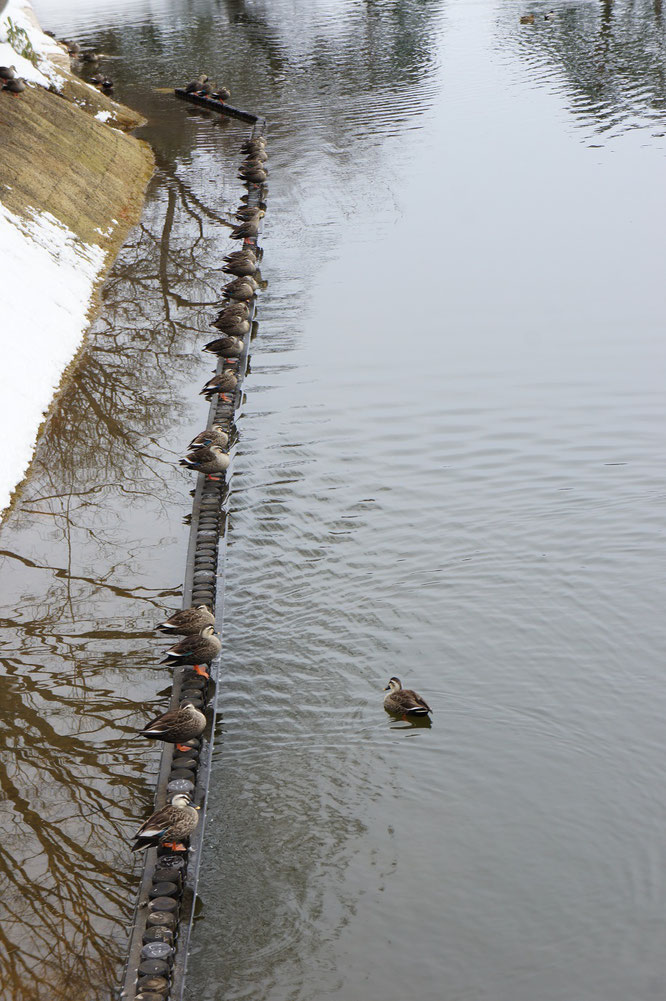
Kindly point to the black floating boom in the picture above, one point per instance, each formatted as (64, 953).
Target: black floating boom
(162, 921)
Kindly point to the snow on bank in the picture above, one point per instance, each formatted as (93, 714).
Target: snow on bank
(50, 274)
(18, 25)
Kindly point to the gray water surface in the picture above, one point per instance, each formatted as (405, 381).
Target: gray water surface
(450, 468)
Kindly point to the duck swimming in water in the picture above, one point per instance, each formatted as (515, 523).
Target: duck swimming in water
(403, 701)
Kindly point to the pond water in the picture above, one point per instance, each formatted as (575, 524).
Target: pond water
(450, 468)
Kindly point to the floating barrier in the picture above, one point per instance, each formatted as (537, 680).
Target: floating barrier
(164, 913)
(214, 104)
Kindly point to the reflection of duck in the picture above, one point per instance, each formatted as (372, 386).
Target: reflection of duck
(169, 826)
(404, 701)
(177, 726)
(195, 650)
(188, 621)
(216, 435)
(224, 383)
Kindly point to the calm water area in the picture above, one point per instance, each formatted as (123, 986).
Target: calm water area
(450, 467)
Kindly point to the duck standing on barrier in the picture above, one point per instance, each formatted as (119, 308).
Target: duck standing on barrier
(170, 826)
(208, 459)
(223, 384)
(188, 621)
(215, 435)
(241, 268)
(226, 347)
(177, 726)
(195, 651)
(241, 290)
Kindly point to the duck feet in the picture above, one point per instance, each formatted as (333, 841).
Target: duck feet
(183, 747)
(201, 671)
(175, 846)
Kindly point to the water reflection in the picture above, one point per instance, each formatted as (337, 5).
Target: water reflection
(609, 58)
(91, 556)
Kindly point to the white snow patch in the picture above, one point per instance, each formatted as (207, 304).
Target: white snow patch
(46, 282)
(103, 116)
(20, 13)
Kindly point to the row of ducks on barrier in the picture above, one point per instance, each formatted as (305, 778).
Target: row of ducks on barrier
(203, 86)
(207, 453)
(174, 823)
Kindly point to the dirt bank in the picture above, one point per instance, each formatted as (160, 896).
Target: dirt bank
(71, 187)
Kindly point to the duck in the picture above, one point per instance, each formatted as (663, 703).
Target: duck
(222, 94)
(254, 162)
(404, 701)
(241, 268)
(195, 650)
(259, 154)
(7, 72)
(224, 383)
(241, 290)
(253, 174)
(233, 310)
(215, 435)
(188, 621)
(250, 212)
(233, 325)
(249, 228)
(247, 253)
(250, 165)
(208, 459)
(15, 86)
(170, 826)
(177, 726)
(550, 16)
(228, 347)
(195, 85)
(527, 19)
(258, 144)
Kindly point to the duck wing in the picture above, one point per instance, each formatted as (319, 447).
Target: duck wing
(414, 702)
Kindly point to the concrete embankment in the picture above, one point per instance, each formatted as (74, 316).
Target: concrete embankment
(71, 187)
